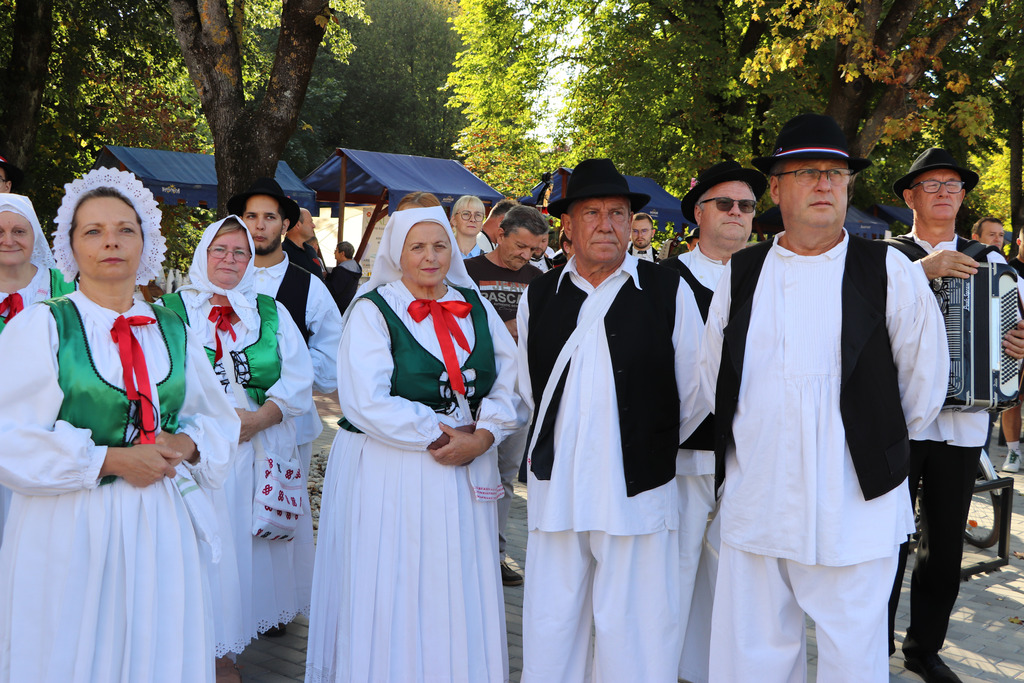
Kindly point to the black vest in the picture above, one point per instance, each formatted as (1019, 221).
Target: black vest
(869, 395)
(293, 293)
(703, 438)
(639, 328)
(915, 252)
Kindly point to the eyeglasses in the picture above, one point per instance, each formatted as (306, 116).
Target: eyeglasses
(470, 216)
(3, 179)
(932, 186)
(222, 252)
(724, 204)
(809, 177)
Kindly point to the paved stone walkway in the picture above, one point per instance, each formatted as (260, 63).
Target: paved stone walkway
(983, 643)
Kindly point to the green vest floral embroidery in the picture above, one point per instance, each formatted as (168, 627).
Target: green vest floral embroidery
(258, 366)
(421, 377)
(90, 402)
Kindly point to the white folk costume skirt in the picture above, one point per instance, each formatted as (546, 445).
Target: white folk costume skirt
(97, 574)
(406, 586)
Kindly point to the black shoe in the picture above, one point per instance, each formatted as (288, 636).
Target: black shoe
(509, 576)
(931, 668)
(276, 631)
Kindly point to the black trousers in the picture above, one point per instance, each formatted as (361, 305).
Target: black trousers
(947, 474)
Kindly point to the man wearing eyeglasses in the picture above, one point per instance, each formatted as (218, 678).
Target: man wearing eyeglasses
(10, 175)
(721, 203)
(944, 456)
(821, 350)
(641, 232)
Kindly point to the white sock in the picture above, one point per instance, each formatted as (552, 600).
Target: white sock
(1013, 446)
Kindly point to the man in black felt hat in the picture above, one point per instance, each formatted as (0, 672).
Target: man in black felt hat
(10, 175)
(721, 203)
(603, 514)
(822, 351)
(944, 456)
(268, 213)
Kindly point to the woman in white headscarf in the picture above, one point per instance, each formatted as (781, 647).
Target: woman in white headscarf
(267, 375)
(27, 275)
(108, 428)
(405, 586)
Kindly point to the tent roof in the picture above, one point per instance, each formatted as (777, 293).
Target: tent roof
(662, 207)
(189, 178)
(891, 214)
(368, 174)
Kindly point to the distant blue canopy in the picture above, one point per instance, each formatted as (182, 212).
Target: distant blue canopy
(369, 174)
(663, 206)
(891, 214)
(188, 178)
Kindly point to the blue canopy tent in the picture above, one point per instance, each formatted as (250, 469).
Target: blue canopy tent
(352, 176)
(663, 206)
(892, 214)
(188, 178)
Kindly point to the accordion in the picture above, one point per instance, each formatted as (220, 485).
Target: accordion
(978, 311)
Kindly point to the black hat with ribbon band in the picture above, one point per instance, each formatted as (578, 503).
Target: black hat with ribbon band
(12, 172)
(271, 188)
(722, 173)
(933, 159)
(597, 178)
(810, 136)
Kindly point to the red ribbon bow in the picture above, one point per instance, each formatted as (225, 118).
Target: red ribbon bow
(136, 374)
(220, 316)
(446, 328)
(11, 306)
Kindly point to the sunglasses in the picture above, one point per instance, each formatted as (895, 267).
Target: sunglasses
(724, 204)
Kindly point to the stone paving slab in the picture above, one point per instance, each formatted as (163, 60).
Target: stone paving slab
(983, 645)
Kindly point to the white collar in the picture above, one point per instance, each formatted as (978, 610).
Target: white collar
(701, 255)
(839, 250)
(628, 266)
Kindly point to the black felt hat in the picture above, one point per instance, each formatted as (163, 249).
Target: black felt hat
(932, 159)
(597, 178)
(271, 188)
(12, 172)
(810, 136)
(722, 173)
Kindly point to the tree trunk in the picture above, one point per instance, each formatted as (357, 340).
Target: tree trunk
(1015, 141)
(248, 139)
(25, 79)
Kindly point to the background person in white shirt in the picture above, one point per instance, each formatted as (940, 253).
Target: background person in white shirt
(641, 233)
(722, 204)
(823, 350)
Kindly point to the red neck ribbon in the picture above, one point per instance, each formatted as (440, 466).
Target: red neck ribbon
(11, 306)
(136, 374)
(446, 328)
(220, 316)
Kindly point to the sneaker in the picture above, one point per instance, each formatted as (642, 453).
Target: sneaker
(509, 576)
(1012, 462)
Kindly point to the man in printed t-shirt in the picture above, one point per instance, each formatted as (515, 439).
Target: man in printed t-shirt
(502, 275)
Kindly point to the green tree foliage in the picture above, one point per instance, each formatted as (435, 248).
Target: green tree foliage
(387, 96)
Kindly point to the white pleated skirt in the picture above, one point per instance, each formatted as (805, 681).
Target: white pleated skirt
(406, 585)
(104, 584)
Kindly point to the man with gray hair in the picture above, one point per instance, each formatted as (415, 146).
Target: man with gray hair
(502, 275)
(487, 239)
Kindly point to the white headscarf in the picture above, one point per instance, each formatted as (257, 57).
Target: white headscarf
(242, 296)
(41, 256)
(154, 246)
(387, 266)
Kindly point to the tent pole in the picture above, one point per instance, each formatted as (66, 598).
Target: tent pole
(369, 226)
(342, 198)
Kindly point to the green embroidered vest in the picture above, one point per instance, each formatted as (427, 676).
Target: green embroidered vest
(57, 288)
(90, 402)
(259, 364)
(421, 377)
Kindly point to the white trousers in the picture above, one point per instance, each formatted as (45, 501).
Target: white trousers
(758, 631)
(627, 587)
(510, 457)
(699, 541)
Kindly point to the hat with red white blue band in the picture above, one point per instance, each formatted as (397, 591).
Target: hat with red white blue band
(810, 136)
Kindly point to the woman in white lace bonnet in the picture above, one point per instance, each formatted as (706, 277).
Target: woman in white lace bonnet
(406, 585)
(107, 427)
(252, 337)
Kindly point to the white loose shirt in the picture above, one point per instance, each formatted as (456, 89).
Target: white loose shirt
(791, 490)
(587, 489)
(708, 272)
(955, 427)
